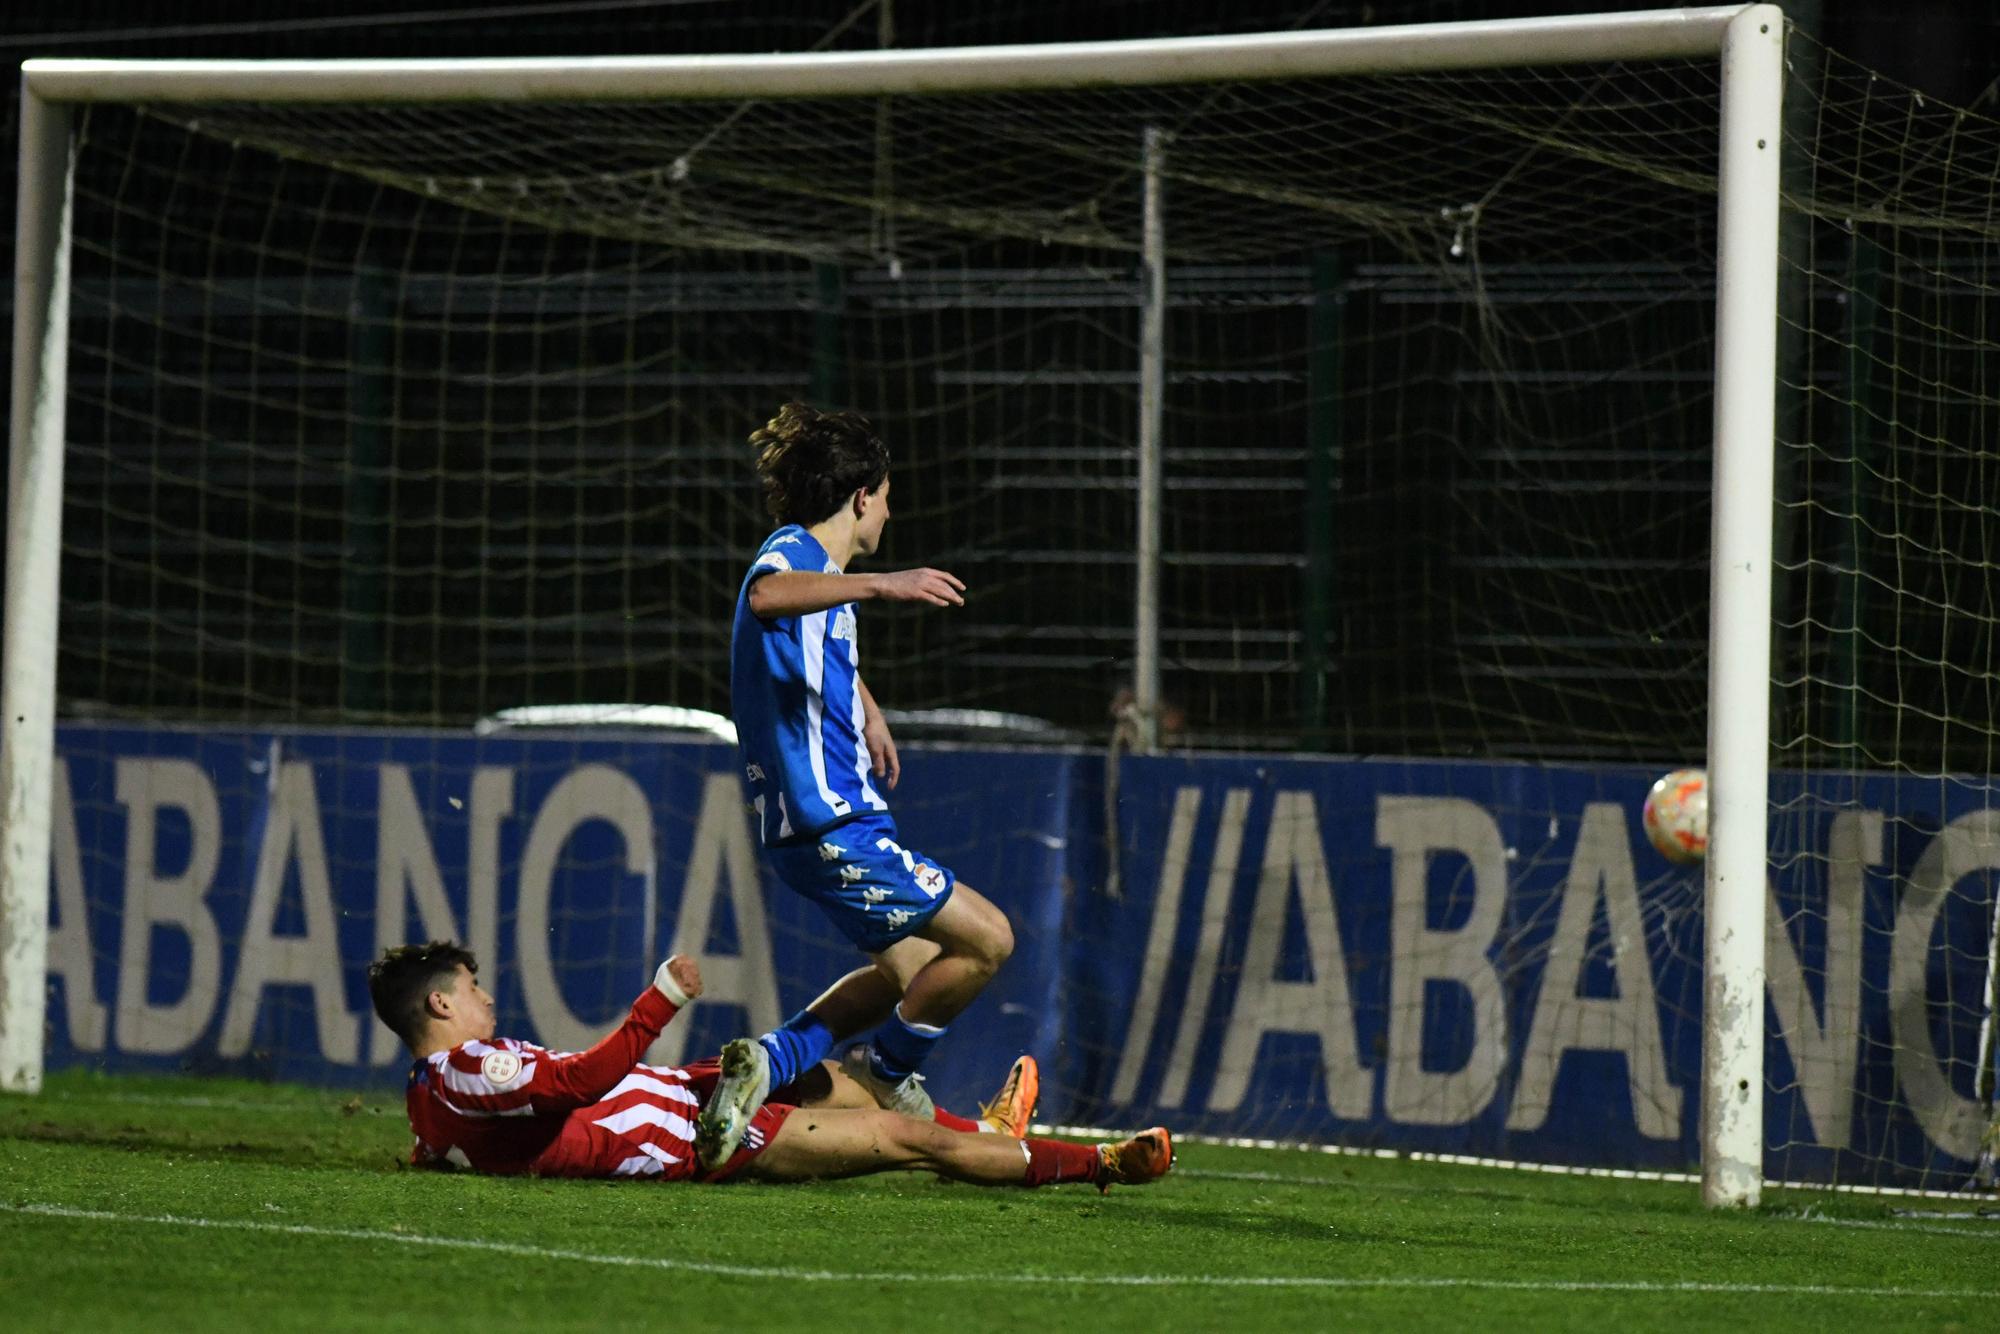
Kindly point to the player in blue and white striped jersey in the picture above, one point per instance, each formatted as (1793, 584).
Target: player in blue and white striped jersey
(817, 758)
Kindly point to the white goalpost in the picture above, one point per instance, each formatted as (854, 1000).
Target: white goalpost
(1747, 41)
(1732, 1055)
(34, 549)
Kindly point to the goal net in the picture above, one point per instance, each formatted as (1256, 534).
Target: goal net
(395, 414)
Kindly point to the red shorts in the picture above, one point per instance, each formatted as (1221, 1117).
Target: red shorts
(702, 1077)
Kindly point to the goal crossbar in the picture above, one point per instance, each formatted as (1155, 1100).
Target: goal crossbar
(1747, 40)
(1646, 35)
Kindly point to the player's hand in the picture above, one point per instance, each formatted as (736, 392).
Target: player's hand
(678, 979)
(882, 748)
(933, 586)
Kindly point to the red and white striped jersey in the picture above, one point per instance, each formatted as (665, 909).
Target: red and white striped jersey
(510, 1107)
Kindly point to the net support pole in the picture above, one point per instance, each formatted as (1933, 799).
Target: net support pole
(1323, 426)
(1864, 301)
(34, 563)
(365, 501)
(1732, 1066)
(1152, 473)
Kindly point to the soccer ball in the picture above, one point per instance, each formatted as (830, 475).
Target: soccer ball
(1677, 816)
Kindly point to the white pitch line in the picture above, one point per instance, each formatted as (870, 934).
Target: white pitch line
(1505, 1164)
(1991, 1232)
(1025, 1278)
(1929, 1229)
(1386, 1155)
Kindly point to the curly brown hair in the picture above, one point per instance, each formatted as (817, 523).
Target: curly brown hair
(812, 461)
(402, 980)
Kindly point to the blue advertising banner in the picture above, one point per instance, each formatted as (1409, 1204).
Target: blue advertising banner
(1471, 958)
(217, 896)
(1491, 959)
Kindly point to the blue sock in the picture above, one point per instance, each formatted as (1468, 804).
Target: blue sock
(796, 1046)
(901, 1046)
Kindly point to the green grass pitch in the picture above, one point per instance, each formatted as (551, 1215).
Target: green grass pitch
(132, 1203)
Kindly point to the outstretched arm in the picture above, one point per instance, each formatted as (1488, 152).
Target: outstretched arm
(506, 1078)
(801, 592)
(563, 1082)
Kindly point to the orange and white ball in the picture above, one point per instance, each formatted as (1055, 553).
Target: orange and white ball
(1676, 816)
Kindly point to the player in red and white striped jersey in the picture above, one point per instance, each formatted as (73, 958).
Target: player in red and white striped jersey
(507, 1107)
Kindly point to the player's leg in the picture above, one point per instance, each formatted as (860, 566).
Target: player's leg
(856, 1003)
(864, 998)
(973, 939)
(900, 963)
(795, 1052)
(744, 1077)
(1008, 1112)
(818, 1144)
(924, 930)
(876, 894)
(821, 1143)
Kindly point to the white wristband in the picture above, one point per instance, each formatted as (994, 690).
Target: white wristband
(663, 982)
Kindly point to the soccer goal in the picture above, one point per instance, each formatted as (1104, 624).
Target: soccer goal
(1428, 392)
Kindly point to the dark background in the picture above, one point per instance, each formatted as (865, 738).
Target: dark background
(1412, 661)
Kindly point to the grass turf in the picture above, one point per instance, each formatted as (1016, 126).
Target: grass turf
(152, 1203)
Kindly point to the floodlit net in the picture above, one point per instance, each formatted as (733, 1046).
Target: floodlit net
(405, 415)
(469, 387)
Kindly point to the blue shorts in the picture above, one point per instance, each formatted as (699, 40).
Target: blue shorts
(870, 886)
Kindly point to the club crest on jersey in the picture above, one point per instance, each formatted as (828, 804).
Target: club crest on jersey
(929, 879)
(500, 1067)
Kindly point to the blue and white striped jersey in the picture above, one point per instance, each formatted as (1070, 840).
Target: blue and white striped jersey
(798, 714)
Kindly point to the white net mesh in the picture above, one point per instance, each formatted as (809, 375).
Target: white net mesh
(1507, 270)
(1887, 714)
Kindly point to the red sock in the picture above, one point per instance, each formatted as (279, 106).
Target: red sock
(951, 1122)
(1052, 1161)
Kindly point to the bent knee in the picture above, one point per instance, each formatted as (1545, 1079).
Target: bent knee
(905, 959)
(1000, 946)
(972, 929)
(993, 943)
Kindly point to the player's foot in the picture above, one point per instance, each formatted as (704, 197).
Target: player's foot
(1134, 1162)
(906, 1095)
(745, 1083)
(1013, 1107)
